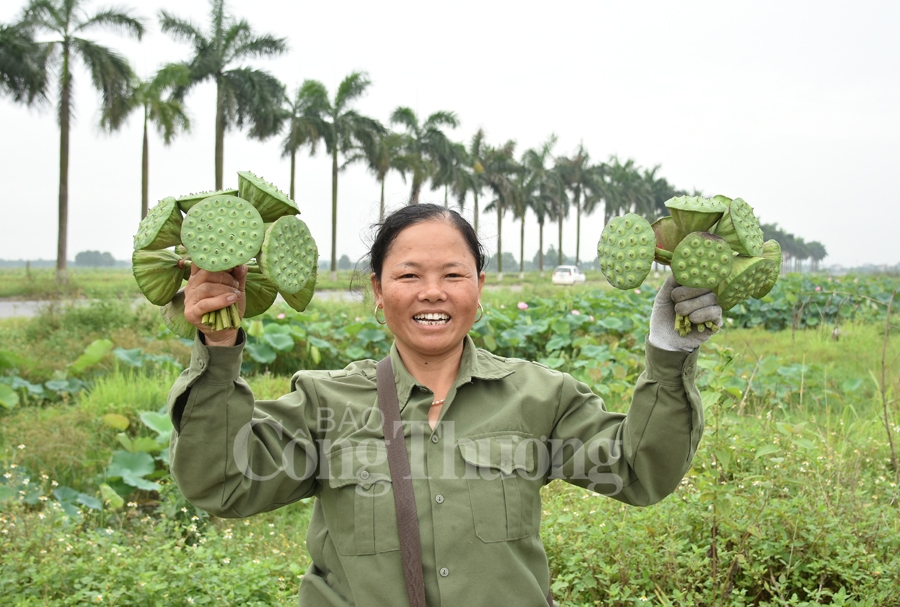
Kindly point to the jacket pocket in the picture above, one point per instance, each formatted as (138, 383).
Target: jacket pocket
(358, 500)
(499, 469)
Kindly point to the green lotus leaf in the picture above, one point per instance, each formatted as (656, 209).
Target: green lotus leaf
(748, 275)
(771, 250)
(186, 202)
(271, 202)
(626, 250)
(158, 274)
(222, 232)
(173, 316)
(161, 228)
(695, 214)
(261, 293)
(301, 298)
(288, 254)
(740, 227)
(701, 260)
(667, 238)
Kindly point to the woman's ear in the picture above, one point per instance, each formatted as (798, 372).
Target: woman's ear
(376, 288)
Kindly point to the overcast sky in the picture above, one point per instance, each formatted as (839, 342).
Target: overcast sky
(793, 106)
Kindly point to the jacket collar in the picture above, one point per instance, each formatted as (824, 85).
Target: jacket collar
(475, 364)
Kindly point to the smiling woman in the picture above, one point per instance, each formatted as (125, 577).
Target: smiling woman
(427, 467)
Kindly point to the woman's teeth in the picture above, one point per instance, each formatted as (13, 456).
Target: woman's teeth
(431, 319)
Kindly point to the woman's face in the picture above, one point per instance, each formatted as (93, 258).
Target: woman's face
(429, 289)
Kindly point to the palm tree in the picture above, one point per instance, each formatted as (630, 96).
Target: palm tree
(345, 130)
(426, 147)
(110, 73)
(168, 114)
(469, 174)
(499, 168)
(451, 173)
(627, 190)
(23, 65)
(380, 157)
(545, 182)
(243, 94)
(582, 179)
(305, 122)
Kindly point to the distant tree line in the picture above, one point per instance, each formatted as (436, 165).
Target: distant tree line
(539, 184)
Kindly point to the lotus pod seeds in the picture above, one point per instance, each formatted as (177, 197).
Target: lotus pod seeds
(740, 227)
(701, 260)
(288, 254)
(161, 228)
(747, 276)
(222, 232)
(695, 214)
(271, 202)
(186, 202)
(626, 250)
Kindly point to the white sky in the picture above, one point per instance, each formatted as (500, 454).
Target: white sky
(793, 106)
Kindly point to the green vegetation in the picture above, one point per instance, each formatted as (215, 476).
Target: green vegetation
(791, 499)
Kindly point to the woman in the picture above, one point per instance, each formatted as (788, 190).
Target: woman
(483, 433)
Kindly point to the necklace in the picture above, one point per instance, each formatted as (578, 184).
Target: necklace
(437, 403)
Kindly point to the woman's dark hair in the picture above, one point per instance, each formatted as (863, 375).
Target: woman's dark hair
(412, 214)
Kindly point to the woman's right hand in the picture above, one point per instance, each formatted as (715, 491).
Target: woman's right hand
(210, 291)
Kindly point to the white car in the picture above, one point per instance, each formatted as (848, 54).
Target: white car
(568, 275)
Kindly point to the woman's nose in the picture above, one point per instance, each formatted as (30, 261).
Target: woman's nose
(432, 290)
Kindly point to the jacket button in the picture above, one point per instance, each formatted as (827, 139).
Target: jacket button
(435, 438)
(439, 499)
(444, 572)
(363, 474)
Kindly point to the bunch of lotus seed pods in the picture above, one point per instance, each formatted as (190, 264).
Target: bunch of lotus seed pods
(255, 224)
(710, 243)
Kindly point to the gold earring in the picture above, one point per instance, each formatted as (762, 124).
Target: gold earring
(380, 322)
(481, 309)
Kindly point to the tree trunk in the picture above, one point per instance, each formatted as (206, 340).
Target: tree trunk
(220, 131)
(577, 225)
(559, 263)
(446, 201)
(381, 206)
(541, 248)
(414, 193)
(293, 172)
(522, 250)
(476, 211)
(65, 100)
(499, 241)
(145, 170)
(334, 174)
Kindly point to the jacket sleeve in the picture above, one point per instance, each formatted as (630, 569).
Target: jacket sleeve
(639, 457)
(233, 456)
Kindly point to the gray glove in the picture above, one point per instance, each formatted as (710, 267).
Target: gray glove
(698, 305)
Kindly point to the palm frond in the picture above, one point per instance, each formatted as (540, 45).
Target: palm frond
(181, 29)
(24, 65)
(256, 97)
(351, 88)
(115, 19)
(110, 72)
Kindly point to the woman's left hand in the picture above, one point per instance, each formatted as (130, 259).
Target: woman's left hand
(698, 305)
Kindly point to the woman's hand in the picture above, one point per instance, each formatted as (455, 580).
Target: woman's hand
(210, 291)
(698, 305)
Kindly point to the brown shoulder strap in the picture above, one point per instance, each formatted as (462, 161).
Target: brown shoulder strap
(404, 499)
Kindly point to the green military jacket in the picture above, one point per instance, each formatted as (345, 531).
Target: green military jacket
(508, 427)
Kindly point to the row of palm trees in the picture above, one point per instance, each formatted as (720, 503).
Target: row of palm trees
(550, 186)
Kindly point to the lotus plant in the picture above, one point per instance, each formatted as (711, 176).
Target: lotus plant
(254, 224)
(711, 243)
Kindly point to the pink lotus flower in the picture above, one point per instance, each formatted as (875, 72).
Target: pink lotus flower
(576, 312)
(591, 317)
(523, 305)
(280, 316)
(502, 307)
(818, 288)
(638, 291)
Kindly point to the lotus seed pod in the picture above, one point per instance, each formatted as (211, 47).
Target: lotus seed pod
(186, 202)
(158, 274)
(173, 317)
(222, 232)
(161, 228)
(626, 250)
(748, 275)
(740, 227)
(701, 260)
(694, 214)
(260, 291)
(772, 251)
(288, 254)
(723, 199)
(667, 238)
(299, 300)
(271, 202)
